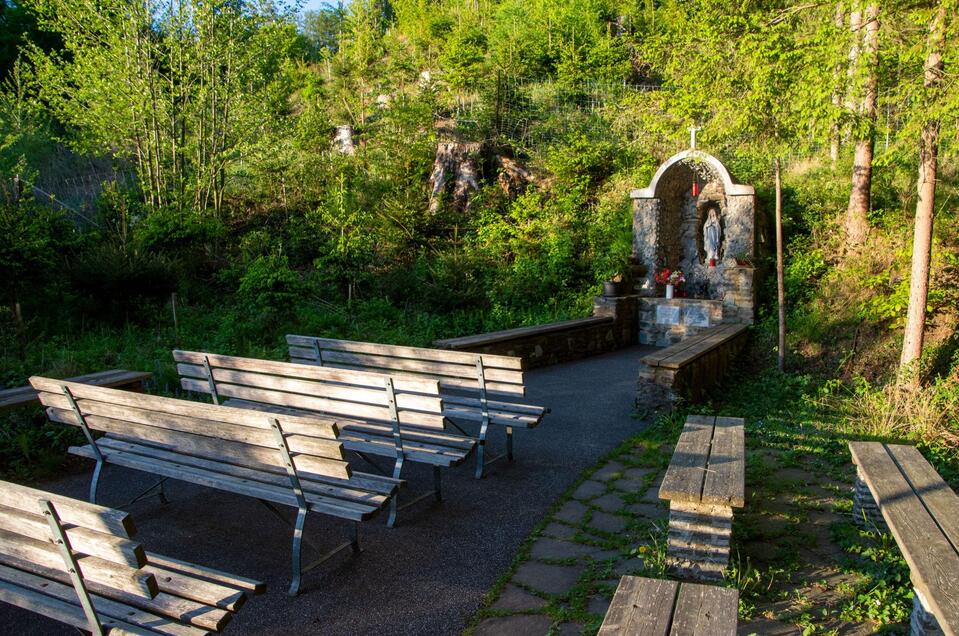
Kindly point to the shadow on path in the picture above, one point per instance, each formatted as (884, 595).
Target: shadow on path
(426, 576)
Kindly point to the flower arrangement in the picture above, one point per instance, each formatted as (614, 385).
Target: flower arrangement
(667, 276)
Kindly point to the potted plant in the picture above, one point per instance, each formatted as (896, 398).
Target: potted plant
(615, 286)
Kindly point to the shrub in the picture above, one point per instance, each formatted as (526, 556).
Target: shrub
(268, 282)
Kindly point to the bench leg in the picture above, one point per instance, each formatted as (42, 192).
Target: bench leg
(95, 481)
(865, 512)
(509, 443)
(480, 458)
(394, 502)
(297, 551)
(698, 541)
(923, 622)
(438, 483)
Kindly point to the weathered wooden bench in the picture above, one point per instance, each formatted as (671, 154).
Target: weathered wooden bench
(466, 381)
(651, 607)
(387, 416)
(704, 482)
(897, 489)
(278, 459)
(78, 563)
(114, 378)
(691, 366)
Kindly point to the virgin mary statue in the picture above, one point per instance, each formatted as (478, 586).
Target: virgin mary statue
(711, 234)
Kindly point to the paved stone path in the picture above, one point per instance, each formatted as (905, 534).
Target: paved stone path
(429, 575)
(575, 560)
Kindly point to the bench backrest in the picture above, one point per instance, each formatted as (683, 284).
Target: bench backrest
(453, 369)
(222, 433)
(354, 395)
(49, 535)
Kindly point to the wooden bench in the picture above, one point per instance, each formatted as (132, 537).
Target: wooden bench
(896, 488)
(78, 563)
(691, 366)
(396, 417)
(651, 607)
(278, 459)
(115, 378)
(704, 482)
(466, 381)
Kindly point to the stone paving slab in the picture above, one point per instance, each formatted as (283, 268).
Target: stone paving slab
(544, 577)
(517, 599)
(589, 489)
(559, 531)
(610, 502)
(553, 549)
(572, 512)
(608, 472)
(525, 624)
(607, 523)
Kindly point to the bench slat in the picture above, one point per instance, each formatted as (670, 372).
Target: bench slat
(59, 610)
(933, 561)
(10, 398)
(687, 469)
(110, 612)
(320, 426)
(319, 446)
(640, 606)
(419, 366)
(221, 481)
(202, 445)
(700, 346)
(108, 547)
(433, 447)
(439, 355)
(938, 498)
(705, 610)
(71, 511)
(270, 475)
(41, 551)
(725, 479)
(247, 585)
(315, 404)
(444, 381)
(362, 395)
(323, 374)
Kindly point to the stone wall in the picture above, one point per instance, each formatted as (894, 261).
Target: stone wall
(612, 326)
(664, 322)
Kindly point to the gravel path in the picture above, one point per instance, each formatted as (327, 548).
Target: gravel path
(426, 576)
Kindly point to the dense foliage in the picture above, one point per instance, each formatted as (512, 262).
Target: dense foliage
(244, 218)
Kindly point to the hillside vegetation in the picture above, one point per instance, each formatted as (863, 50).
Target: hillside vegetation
(225, 203)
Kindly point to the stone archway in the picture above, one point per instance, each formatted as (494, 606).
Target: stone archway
(668, 225)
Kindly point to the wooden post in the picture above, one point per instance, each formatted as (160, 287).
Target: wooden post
(780, 287)
(16, 188)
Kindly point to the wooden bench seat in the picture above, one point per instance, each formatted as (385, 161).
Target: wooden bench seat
(651, 607)
(467, 381)
(896, 488)
(278, 459)
(114, 378)
(400, 418)
(79, 563)
(704, 482)
(691, 366)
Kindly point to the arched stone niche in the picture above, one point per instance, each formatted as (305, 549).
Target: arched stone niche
(668, 232)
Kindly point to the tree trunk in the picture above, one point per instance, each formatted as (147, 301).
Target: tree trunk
(925, 210)
(780, 285)
(857, 224)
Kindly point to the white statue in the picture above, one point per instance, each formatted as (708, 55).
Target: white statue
(711, 233)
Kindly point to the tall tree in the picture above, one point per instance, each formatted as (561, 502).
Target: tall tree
(925, 205)
(857, 223)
